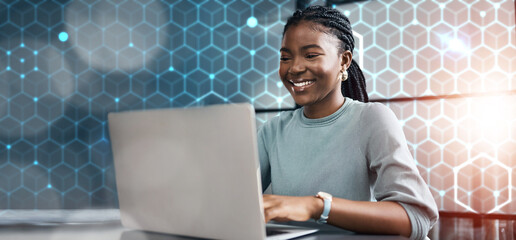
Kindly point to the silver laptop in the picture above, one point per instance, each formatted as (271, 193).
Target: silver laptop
(192, 172)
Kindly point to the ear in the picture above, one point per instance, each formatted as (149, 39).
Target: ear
(346, 58)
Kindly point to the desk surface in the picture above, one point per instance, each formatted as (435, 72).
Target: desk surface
(105, 224)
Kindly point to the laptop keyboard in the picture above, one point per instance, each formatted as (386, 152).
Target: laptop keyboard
(272, 232)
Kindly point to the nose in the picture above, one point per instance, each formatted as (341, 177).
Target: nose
(297, 67)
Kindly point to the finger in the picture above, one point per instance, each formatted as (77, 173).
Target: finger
(270, 214)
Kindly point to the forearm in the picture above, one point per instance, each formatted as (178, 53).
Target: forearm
(367, 217)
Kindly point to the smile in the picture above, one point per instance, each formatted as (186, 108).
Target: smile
(301, 84)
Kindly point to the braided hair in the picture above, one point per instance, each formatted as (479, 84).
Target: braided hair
(331, 21)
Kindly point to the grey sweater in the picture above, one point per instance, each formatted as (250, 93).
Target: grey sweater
(357, 153)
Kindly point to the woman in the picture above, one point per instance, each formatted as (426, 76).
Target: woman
(336, 143)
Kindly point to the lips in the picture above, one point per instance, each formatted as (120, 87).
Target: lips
(299, 85)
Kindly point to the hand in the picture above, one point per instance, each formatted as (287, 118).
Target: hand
(287, 208)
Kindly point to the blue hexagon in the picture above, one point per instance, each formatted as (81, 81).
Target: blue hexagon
(36, 36)
(184, 60)
(49, 107)
(198, 84)
(89, 131)
(103, 13)
(49, 13)
(211, 60)
(76, 199)
(10, 178)
(35, 130)
(89, 178)
(157, 14)
(184, 13)
(62, 131)
(62, 178)
(130, 13)
(10, 130)
(75, 154)
(237, 13)
(144, 84)
(11, 36)
(211, 13)
(89, 37)
(198, 37)
(225, 37)
(22, 14)
(35, 84)
(171, 84)
(22, 107)
(144, 36)
(49, 154)
(22, 199)
(238, 60)
(35, 178)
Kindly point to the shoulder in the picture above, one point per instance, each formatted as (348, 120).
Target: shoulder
(374, 113)
(375, 118)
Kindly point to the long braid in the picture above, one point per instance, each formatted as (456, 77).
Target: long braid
(337, 24)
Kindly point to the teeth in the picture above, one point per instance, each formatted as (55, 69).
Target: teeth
(302, 83)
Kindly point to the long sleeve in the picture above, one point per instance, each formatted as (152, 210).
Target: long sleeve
(265, 169)
(394, 175)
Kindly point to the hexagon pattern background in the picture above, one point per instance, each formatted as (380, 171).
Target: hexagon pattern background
(65, 64)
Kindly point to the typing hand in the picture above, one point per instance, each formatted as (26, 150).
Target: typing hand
(287, 208)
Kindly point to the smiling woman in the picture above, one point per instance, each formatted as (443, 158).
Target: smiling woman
(353, 154)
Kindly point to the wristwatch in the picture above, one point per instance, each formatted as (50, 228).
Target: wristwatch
(327, 198)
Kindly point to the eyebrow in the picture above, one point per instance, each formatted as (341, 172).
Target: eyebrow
(283, 49)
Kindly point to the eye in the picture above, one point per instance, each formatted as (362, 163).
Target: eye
(284, 58)
(312, 55)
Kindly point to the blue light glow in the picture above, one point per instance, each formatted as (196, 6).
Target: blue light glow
(36, 162)
(49, 186)
(22, 76)
(35, 99)
(22, 60)
(279, 84)
(441, 193)
(63, 36)
(252, 22)
(252, 52)
(212, 76)
(171, 69)
(8, 146)
(117, 99)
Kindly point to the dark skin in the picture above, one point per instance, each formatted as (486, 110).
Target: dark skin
(311, 59)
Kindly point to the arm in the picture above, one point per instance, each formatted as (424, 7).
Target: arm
(358, 216)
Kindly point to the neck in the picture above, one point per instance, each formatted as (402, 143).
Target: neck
(324, 109)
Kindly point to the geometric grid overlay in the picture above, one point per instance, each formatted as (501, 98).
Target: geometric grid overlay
(429, 48)
(64, 65)
(465, 149)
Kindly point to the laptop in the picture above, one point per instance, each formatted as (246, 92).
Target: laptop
(192, 172)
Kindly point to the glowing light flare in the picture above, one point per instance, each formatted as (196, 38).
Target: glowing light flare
(493, 115)
(455, 45)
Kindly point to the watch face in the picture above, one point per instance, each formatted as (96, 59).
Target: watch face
(324, 195)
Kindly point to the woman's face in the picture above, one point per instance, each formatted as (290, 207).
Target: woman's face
(310, 65)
